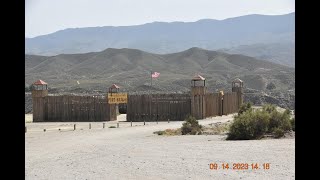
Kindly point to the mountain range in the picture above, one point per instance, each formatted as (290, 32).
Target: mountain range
(170, 37)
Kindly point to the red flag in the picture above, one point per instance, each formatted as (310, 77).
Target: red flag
(155, 75)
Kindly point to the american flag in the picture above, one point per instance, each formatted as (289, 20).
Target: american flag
(155, 75)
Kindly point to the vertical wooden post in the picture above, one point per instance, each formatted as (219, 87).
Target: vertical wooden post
(74, 127)
(131, 123)
(157, 109)
(104, 125)
(89, 125)
(117, 125)
(150, 112)
(220, 104)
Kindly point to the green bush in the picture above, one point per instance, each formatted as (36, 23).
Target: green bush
(287, 111)
(253, 124)
(261, 122)
(280, 120)
(242, 128)
(293, 121)
(269, 108)
(249, 125)
(191, 126)
(278, 132)
(245, 107)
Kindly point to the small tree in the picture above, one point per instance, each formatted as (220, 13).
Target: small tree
(279, 120)
(249, 125)
(269, 108)
(278, 133)
(245, 107)
(254, 124)
(191, 126)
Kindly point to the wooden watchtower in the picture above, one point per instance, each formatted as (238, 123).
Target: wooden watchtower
(114, 108)
(39, 91)
(237, 86)
(114, 89)
(198, 91)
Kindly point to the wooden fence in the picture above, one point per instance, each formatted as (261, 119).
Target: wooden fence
(72, 109)
(158, 107)
(230, 103)
(213, 105)
(155, 107)
(161, 107)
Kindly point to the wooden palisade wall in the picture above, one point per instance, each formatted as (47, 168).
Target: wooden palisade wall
(72, 109)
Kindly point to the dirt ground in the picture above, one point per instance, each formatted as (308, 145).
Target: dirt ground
(136, 153)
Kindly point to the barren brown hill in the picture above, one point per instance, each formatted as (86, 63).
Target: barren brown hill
(130, 69)
(280, 53)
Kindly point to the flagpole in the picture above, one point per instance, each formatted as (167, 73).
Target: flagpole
(151, 79)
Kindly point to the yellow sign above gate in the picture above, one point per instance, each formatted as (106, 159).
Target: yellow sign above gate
(117, 98)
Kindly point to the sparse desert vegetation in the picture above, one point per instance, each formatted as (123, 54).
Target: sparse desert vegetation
(169, 132)
(216, 128)
(248, 124)
(255, 123)
(191, 126)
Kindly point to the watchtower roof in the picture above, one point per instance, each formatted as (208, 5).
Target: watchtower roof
(198, 78)
(237, 80)
(40, 82)
(114, 86)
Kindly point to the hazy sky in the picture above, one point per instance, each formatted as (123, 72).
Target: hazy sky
(47, 16)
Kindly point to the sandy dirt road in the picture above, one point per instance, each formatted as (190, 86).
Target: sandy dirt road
(136, 153)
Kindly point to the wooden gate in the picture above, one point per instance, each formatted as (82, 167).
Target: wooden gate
(158, 107)
(213, 104)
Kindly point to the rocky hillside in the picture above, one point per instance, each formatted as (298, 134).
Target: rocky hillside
(280, 53)
(130, 69)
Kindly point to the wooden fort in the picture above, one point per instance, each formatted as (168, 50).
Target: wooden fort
(146, 107)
